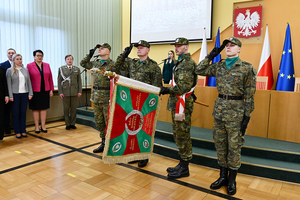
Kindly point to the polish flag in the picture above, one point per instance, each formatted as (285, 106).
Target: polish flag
(203, 51)
(203, 54)
(265, 64)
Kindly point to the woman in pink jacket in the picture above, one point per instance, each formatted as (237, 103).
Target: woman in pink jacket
(42, 86)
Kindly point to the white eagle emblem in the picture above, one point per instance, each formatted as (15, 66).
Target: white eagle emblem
(247, 24)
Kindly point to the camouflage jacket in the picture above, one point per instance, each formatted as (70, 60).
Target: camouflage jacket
(99, 95)
(238, 80)
(185, 79)
(69, 81)
(148, 72)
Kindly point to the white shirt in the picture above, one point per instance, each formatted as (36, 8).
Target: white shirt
(22, 82)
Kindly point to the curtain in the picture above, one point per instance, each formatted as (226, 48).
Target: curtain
(58, 28)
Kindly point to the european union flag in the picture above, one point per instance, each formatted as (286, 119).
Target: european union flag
(212, 80)
(286, 74)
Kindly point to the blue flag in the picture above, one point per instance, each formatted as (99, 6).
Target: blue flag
(212, 80)
(286, 74)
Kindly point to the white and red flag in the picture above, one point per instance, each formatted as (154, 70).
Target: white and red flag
(203, 54)
(265, 64)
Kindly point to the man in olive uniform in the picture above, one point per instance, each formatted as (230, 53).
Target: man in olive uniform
(101, 89)
(143, 69)
(69, 89)
(236, 84)
(181, 105)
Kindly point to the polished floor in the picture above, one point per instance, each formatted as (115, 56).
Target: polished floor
(60, 165)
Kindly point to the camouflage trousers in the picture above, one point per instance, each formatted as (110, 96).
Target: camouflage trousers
(228, 142)
(100, 114)
(181, 134)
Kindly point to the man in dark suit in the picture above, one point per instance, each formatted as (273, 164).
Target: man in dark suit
(7, 108)
(3, 100)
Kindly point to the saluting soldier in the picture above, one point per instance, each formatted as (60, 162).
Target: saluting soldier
(69, 89)
(181, 105)
(143, 69)
(236, 84)
(101, 88)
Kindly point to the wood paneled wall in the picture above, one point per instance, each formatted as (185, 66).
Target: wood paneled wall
(276, 114)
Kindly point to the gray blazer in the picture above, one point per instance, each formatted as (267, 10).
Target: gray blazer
(13, 81)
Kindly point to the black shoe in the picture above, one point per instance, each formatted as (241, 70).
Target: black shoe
(222, 180)
(131, 162)
(68, 127)
(24, 135)
(44, 131)
(183, 171)
(37, 131)
(143, 163)
(101, 147)
(73, 127)
(231, 188)
(19, 137)
(173, 169)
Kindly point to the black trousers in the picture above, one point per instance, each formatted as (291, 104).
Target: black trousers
(2, 116)
(7, 111)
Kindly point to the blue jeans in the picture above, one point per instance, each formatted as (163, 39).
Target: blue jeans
(19, 108)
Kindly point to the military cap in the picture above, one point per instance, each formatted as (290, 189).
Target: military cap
(181, 40)
(142, 43)
(106, 45)
(233, 40)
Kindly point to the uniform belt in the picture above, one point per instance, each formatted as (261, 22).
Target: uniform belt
(101, 88)
(227, 97)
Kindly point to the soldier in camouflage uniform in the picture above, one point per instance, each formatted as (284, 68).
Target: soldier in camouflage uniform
(101, 89)
(143, 69)
(185, 79)
(236, 84)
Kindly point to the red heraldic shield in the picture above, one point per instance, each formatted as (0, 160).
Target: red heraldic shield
(247, 22)
(132, 121)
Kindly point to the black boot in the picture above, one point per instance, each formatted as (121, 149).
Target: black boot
(101, 147)
(143, 163)
(222, 180)
(231, 188)
(182, 171)
(173, 169)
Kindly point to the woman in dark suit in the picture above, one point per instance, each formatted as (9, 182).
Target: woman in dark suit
(168, 67)
(3, 100)
(20, 91)
(42, 86)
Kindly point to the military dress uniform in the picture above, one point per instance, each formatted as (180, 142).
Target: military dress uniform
(69, 84)
(101, 91)
(236, 87)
